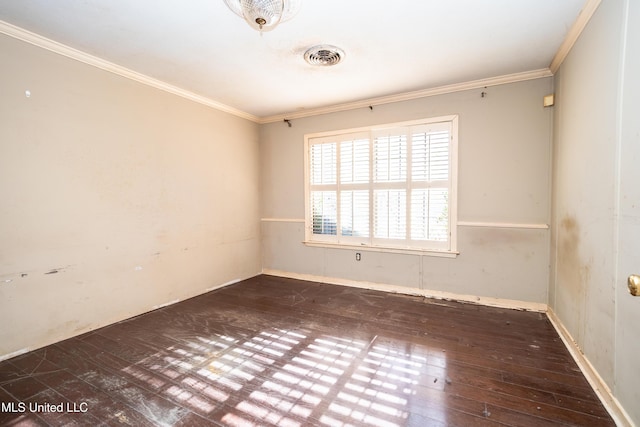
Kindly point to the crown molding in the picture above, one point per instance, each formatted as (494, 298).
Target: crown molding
(574, 32)
(407, 96)
(61, 49)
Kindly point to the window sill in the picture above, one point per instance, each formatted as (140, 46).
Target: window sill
(385, 249)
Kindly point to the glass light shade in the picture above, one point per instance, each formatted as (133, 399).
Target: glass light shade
(264, 15)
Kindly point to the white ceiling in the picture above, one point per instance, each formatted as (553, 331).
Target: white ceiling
(392, 47)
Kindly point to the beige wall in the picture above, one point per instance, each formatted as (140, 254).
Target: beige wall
(594, 206)
(582, 287)
(115, 197)
(504, 177)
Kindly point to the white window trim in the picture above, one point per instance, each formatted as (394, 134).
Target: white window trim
(317, 241)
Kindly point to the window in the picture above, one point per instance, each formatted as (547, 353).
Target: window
(387, 187)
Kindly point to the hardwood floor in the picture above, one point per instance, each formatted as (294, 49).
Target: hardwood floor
(282, 352)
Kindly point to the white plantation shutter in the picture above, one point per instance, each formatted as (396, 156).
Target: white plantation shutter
(430, 170)
(325, 212)
(338, 181)
(354, 213)
(390, 157)
(388, 187)
(430, 154)
(354, 161)
(390, 171)
(354, 191)
(429, 214)
(323, 163)
(390, 216)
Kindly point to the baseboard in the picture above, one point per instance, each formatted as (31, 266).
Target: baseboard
(603, 391)
(473, 299)
(14, 354)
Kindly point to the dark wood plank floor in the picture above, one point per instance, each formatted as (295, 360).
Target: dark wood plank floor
(273, 351)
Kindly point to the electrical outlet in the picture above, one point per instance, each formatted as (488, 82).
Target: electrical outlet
(358, 256)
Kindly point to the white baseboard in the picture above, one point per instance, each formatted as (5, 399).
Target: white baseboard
(213, 288)
(14, 354)
(492, 302)
(603, 391)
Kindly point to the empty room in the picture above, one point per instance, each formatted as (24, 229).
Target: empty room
(300, 213)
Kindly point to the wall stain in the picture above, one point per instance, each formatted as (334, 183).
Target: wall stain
(573, 273)
(501, 237)
(569, 263)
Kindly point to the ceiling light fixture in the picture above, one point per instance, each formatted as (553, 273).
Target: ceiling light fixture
(264, 15)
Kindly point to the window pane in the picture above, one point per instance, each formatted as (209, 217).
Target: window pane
(385, 186)
(430, 214)
(324, 212)
(390, 216)
(323, 162)
(354, 161)
(439, 159)
(354, 213)
(390, 158)
(430, 156)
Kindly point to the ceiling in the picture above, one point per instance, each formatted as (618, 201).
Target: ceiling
(391, 47)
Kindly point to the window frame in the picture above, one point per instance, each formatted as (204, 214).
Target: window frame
(372, 243)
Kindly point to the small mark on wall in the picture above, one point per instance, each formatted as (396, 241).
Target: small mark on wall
(56, 270)
(11, 277)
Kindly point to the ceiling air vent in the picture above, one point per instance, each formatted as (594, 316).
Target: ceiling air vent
(324, 55)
